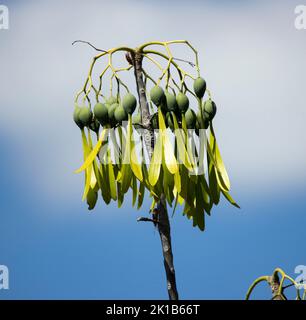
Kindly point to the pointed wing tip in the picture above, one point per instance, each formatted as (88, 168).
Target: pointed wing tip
(152, 183)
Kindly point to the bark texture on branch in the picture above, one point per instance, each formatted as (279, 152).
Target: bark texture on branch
(148, 132)
(165, 237)
(163, 219)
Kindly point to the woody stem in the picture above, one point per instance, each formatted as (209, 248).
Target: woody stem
(163, 219)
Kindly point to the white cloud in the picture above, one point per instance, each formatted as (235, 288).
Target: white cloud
(253, 59)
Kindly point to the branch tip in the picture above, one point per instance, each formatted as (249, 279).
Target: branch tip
(82, 41)
(143, 219)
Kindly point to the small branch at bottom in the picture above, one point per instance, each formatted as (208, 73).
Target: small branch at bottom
(143, 219)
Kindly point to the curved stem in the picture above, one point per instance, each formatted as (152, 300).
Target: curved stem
(295, 284)
(181, 72)
(254, 284)
(166, 43)
(97, 57)
(154, 61)
(149, 77)
(115, 73)
(101, 76)
(82, 41)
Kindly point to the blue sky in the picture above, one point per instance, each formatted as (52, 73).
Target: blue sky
(253, 60)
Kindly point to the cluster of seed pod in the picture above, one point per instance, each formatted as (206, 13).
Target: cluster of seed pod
(178, 104)
(111, 113)
(174, 175)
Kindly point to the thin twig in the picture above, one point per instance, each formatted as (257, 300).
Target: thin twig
(182, 60)
(292, 284)
(143, 219)
(82, 41)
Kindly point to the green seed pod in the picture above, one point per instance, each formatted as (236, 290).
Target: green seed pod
(199, 87)
(157, 95)
(154, 121)
(191, 119)
(101, 113)
(111, 111)
(210, 109)
(171, 102)
(111, 100)
(129, 103)
(182, 102)
(205, 121)
(76, 117)
(85, 116)
(120, 114)
(95, 125)
(169, 121)
(137, 118)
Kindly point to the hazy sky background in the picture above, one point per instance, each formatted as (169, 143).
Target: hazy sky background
(254, 62)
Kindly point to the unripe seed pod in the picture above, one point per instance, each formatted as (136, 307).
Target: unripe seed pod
(171, 102)
(210, 109)
(199, 87)
(101, 113)
(157, 95)
(191, 119)
(129, 103)
(85, 116)
(182, 102)
(120, 114)
(111, 111)
(111, 100)
(76, 117)
(205, 120)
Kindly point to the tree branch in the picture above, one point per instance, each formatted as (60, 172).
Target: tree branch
(165, 237)
(82, 41)
(143, 219)
(148, 132)
(163, 224)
